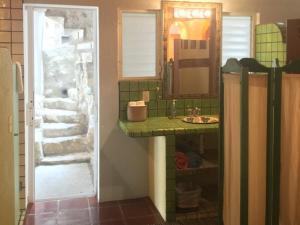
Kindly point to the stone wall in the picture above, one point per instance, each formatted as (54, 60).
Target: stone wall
(64, 31)
(59, 70)
(74, 19)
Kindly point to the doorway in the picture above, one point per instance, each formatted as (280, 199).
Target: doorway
(61, 85)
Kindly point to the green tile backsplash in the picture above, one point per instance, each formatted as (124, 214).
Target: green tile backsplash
(132, 91)
(170, 178)
(270, 44)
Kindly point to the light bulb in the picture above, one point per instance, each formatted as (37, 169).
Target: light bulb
(207, 13)
(192, 13)
(188, 13)
(182, 13)
(196, 13)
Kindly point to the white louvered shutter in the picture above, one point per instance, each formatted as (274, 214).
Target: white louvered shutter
(236, 37)
(139, 44)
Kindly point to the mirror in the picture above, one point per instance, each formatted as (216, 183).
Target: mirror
(191, 36)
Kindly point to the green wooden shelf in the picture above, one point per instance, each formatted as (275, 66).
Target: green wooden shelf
(206, 164)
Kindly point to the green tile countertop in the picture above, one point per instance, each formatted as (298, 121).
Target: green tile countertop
(162, 126)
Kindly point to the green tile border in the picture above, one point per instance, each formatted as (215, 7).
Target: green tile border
(170, 179)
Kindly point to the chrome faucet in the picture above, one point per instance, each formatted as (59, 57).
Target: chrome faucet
(194, 112)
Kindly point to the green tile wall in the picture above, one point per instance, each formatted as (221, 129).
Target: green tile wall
(170, 179)
(270, 44)
(132, 91)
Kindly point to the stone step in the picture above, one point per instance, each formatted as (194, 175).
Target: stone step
(64, 145)
(82, 157)
(62, 116)
(60, 103)
(62, 129)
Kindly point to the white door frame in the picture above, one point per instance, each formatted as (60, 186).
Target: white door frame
(29, 94)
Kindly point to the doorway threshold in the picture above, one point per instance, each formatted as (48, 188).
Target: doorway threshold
(63, 181)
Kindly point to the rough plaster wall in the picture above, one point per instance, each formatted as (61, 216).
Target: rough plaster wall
(123, 165)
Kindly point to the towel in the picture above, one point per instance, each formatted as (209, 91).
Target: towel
(181, 160)
(19, 78)
(194, 160)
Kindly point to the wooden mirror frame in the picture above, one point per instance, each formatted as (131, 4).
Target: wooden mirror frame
(214, 46)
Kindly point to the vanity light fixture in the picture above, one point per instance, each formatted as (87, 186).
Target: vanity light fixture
(207, 13)
(192, 13)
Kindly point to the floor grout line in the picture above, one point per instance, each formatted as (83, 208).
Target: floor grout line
(122, 213)
(90, 212)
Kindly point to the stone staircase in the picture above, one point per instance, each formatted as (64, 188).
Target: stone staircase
(63, 133)
(60, 103)
(53, 130)
(61, 116)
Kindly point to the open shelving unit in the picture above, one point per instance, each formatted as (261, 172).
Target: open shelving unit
(205, 176)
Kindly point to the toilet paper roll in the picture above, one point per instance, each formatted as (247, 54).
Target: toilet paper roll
(140, 103)
(131, 103)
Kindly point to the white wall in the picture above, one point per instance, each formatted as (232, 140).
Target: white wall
(123, 160)
(123, 167)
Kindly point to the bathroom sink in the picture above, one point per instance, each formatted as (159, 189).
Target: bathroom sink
(201, 119)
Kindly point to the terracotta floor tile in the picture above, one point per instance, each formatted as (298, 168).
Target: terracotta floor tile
(77, 203)
(93, 202)
(41, 219)
(136, 210)
(74, 217)
(86, 211)
(117, 222)
(108, 204)
(145, 220)
(94, 214)
(110, 213)
(131, 201)
(151, 206)
(43, 207)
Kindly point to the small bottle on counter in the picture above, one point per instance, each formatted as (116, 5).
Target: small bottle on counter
(173, 110)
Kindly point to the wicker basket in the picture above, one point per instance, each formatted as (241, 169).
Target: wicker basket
(187, 197)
